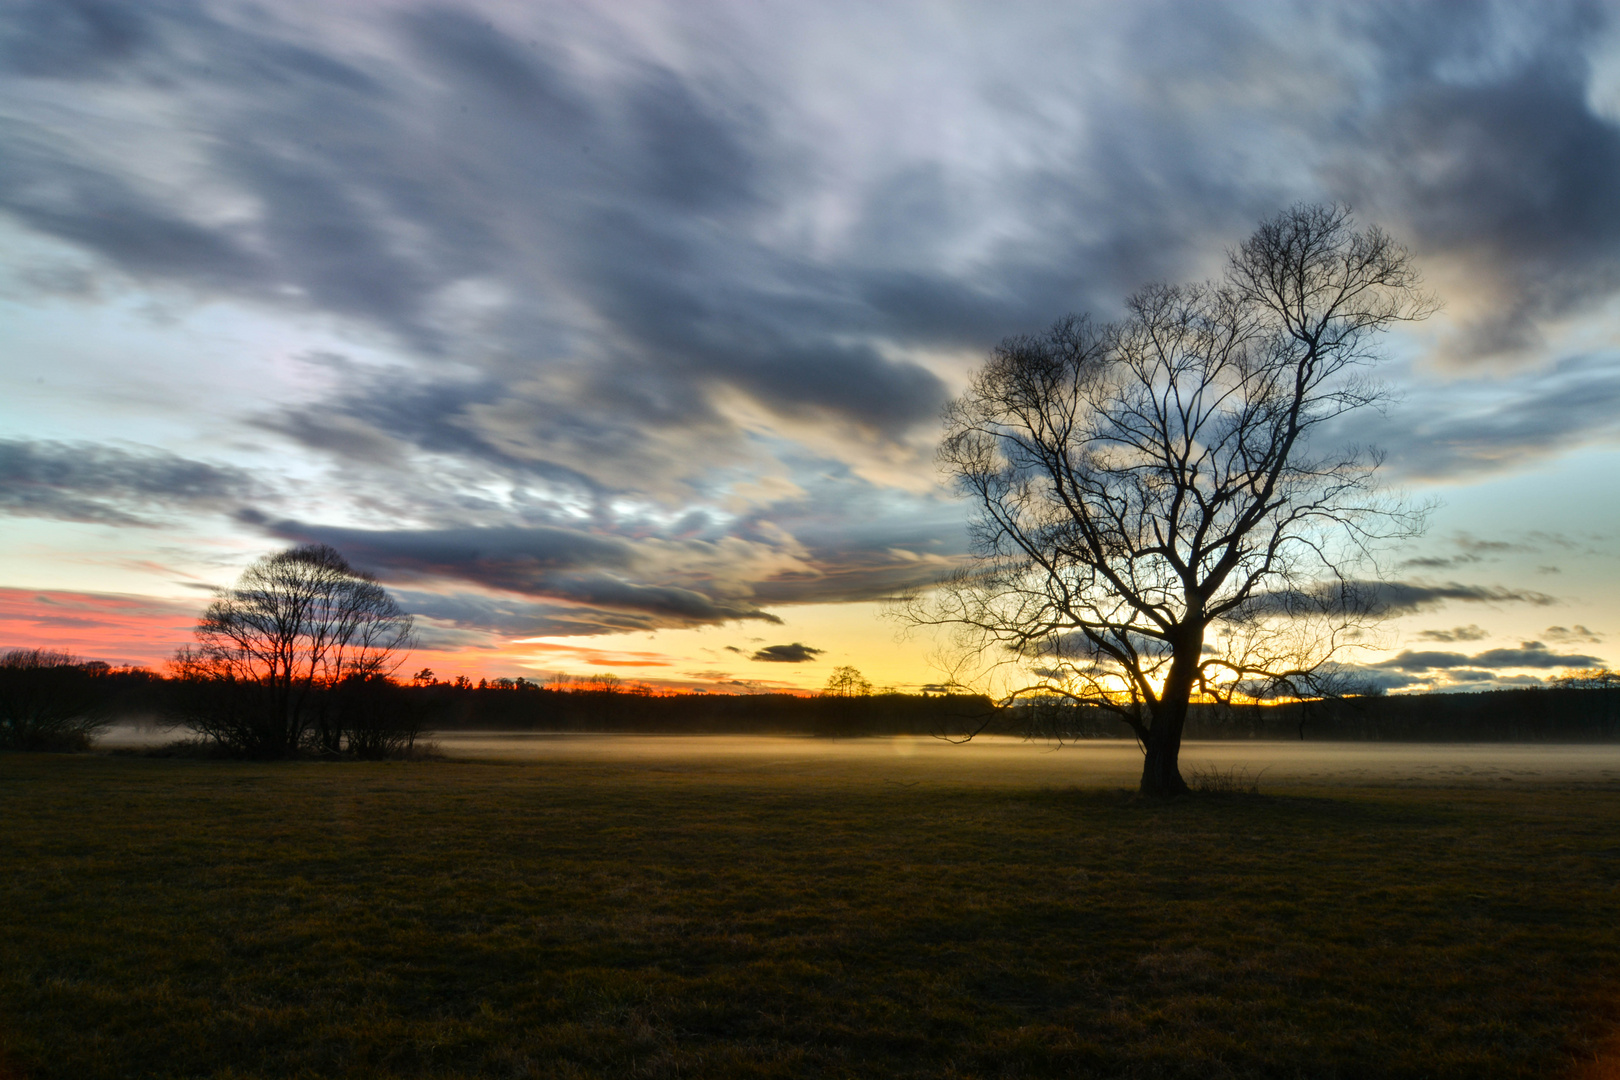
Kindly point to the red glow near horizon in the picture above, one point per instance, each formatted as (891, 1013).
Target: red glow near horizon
(144, 631)
(518, 660)
(597, 657)
(115, 627)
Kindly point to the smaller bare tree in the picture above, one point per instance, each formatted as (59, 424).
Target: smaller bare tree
(271, 649)
(847, 682)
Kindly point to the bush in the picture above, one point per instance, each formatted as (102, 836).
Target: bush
(376, 717)
(1209, 780)
(48, 701)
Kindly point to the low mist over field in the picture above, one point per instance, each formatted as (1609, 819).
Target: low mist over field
(1007, 761)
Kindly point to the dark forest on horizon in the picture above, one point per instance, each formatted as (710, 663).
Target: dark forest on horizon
(1550, 714)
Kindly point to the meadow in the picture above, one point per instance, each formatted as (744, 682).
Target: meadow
(830, 912)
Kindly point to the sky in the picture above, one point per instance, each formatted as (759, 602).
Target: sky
(613, 337)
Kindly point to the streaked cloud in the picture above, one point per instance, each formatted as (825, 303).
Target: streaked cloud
(620, 318)
(1530, 654)
(1405, 597)
(1470, 632)
(1572, 635)
(114, 486)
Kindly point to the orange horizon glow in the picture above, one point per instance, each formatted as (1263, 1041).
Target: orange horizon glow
(119, 628)
(123, 629)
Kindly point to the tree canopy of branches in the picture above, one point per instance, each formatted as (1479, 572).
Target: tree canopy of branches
(48, 701)
(847, 682)
(1595, 678)
(294, 656)
(1137, 484)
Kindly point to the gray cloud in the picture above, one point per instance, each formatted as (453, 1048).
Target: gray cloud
(1461, 428)
(667, 577)
(111, 486)
(1445, 680)
(1396, 598)
(656, 180)
(558, 564)
(359, 216)
(787, 654)
(1405, 597)
(1504, 164)
(72, 39)
(1456, 633)
(455, 619)
(514, 558)
(1531, 654)
(1572, 635)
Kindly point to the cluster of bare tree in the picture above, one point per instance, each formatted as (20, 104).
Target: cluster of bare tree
(1594, 678)
(297, 657)
(846, 682)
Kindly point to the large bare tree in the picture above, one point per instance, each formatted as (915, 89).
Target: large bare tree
(295, 625)
(1141, 484)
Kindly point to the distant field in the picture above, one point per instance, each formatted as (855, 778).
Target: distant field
(801, 910)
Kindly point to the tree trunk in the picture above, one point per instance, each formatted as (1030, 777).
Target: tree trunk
(1161, 770)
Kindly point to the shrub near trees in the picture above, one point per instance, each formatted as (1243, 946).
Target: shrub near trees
(298, 656)
(49, 701)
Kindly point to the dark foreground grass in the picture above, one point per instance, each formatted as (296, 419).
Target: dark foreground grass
(186, 918)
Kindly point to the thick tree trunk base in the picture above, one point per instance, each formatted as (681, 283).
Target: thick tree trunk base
(1161, 772)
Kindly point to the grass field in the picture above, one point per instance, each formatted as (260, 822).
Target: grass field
(696, 917)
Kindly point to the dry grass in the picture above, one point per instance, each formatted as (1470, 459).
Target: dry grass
(195, 918)
(1213, 780)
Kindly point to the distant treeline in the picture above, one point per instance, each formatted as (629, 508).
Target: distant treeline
(516, 705)
(1532, 715)
(63, 707)
(1529, 715)
(50, 701)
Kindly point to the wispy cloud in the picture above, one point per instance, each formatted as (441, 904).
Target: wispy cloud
(1456, 633)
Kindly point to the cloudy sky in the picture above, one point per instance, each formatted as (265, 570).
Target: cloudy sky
(613, 336)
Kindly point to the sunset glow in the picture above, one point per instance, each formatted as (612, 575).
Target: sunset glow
(613, 338)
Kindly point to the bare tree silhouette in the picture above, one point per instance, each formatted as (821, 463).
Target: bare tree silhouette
(847, 682)
(1139, 484)
(271, 648)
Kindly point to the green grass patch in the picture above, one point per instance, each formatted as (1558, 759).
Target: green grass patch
(580, 919)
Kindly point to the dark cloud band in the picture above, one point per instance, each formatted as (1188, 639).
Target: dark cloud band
(787, 654)
(1532, 654)
(111, 486)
